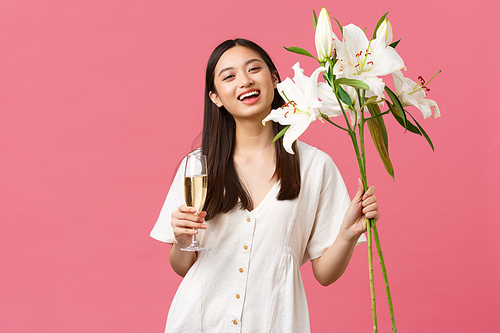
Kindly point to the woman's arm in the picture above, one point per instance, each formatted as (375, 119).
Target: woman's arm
(184, 224)
(332, 264)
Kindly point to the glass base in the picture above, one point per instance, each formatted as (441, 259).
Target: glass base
(193, 248)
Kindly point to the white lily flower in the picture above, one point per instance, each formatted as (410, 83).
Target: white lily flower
(385, 31)
(365, 60)
(411, 93)
(302, 107)
(324, 36)
(331, 105)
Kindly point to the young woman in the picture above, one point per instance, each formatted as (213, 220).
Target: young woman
(267, 212)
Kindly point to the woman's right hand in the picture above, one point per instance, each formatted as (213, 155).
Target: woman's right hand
(185, 223)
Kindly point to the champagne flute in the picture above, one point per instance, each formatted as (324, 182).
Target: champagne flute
(195, 189)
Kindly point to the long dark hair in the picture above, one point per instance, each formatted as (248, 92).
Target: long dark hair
(218, 137)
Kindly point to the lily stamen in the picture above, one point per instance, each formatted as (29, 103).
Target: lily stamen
(425, 84)
(363, 63)
(422, 85)
(417, 88)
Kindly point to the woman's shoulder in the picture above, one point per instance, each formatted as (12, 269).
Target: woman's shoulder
(311, 155)
(196, 151)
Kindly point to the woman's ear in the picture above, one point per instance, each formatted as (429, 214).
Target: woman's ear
(215, 99)
(275, 80)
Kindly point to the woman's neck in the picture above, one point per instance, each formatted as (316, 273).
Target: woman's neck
(252, 138)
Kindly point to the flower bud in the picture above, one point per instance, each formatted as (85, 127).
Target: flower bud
(385, 31)
(324, 36)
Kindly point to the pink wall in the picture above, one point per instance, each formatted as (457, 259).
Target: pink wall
(100, 99)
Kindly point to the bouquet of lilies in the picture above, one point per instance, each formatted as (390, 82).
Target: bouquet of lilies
(354, 90)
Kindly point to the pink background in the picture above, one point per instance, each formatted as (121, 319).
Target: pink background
(99, 100)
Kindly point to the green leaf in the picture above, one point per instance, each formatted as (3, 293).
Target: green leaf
(376, 133)
(423, 132)
(398, 106)
(378, 25)
(299, 50)
(371, 100)
(328, 76)
(332, 64)
(396, 112)
(407, 125)
(315, 20)
(344, 96)
(281, 133)
(340, 26)
(351, 82)
(374, 110)
(393, 45)
(331, 77)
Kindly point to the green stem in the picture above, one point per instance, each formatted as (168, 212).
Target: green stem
(372, 285)
(331, 122)
(371, 226)
(361, 98)
(386, 280)
(380, 114)
(369, 222)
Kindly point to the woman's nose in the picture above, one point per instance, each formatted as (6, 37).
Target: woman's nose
(246, 80)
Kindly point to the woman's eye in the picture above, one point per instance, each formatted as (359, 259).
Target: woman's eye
(254, 69)
(227, 77)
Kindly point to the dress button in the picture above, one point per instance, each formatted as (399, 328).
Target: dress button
(237, 296)
(235, 322)
(249, 219)
(245, 247)
(241, 270)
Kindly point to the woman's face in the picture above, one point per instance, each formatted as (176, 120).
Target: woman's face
(245, 86)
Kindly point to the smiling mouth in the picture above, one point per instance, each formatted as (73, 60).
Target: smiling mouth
(254, 93)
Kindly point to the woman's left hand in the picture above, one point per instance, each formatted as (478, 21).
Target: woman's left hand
(363, 206)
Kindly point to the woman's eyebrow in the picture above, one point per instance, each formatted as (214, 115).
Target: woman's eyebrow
(231, 68)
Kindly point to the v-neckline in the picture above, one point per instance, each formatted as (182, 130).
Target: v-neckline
(276, 183)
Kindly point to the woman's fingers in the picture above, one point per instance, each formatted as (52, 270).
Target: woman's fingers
(370, 206)
(186, 209)
(178, 231)
(372, 215)
(188, 214)
(369, 201)
(188, 224)
(370, 211)
(187, 221)
(187, 217)
(369, 192)
(183, 218)
(185, 224)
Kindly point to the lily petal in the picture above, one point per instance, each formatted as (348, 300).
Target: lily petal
(324, 36)
(302, 104)
(376, 85)
(365, 60)
(290, 91)
(296, 130)
(411, 94)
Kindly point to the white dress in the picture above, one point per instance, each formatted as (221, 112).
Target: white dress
(249, 279)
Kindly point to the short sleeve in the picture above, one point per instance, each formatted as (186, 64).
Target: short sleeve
(162, 230)
(332, 205)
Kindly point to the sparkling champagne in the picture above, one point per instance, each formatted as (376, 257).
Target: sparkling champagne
(195, 191)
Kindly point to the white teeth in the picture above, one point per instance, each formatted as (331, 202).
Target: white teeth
(255, 92)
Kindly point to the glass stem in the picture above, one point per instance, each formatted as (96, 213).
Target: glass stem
(194, 242)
